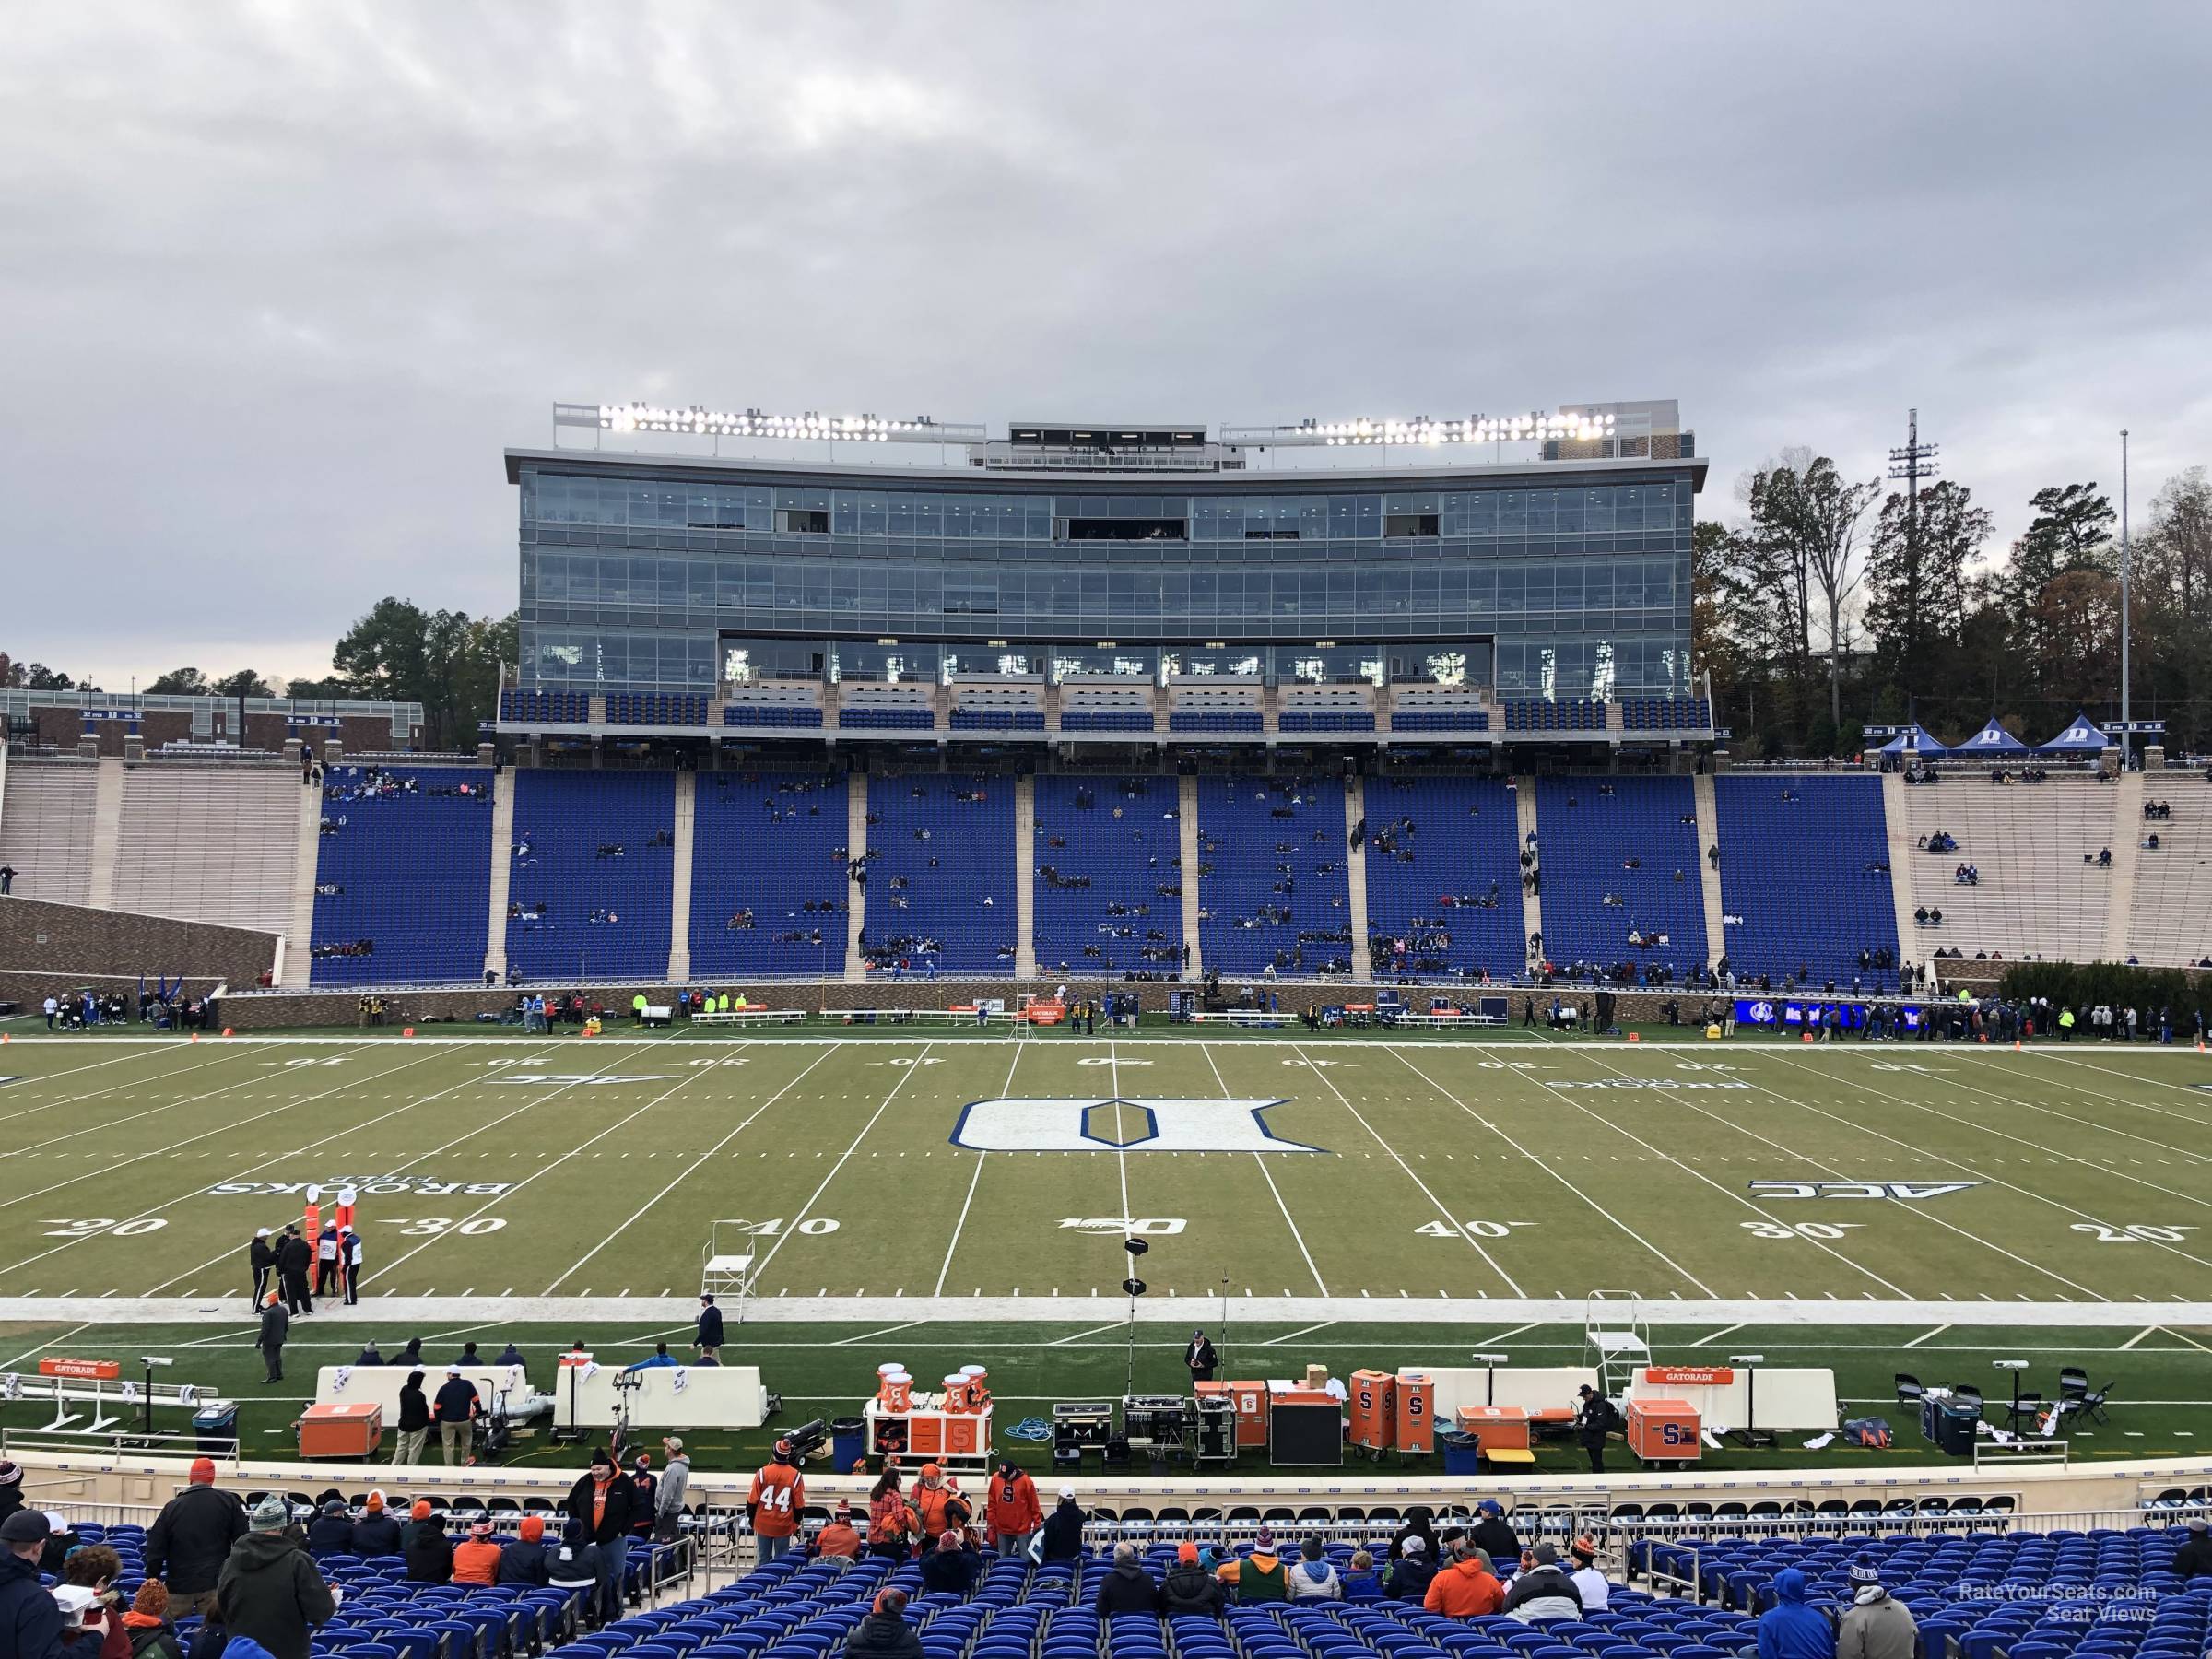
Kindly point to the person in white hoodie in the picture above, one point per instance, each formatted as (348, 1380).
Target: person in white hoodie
(1312, 1577)
(1591, 1584)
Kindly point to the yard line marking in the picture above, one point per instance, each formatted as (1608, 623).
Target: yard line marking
(1301, 1331)
(1268, 1176)
(1924, 1335)
(1724, 1331)
(687, 1170)
(1689, 1277)
(975, 1180)
(1449, 1219)
(1956, 1163)
(32, 1353)
(2191, 1341)
(418, 1158)
(2157, 1082)
(1514, 1331)
(1095, 1331)
(216, 1059)
(190, 1140)
(34, 1146)
(871, 1335)
(1121, 1144)
(497, 1199)
(1914, 1211)
(2145, 1331)
(2080, 1122)
(806, 1209)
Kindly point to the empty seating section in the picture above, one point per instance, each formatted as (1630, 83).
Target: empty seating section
(884, 708)
(404, 867)
(1106, 719)
(46, 829)
(769, 888)
(1666, 713)
(2170, 925)
(1228, 708)
(211, 843)
(1541, 714)
(990, 713)
(1617, 858)
(941, 885)
(1808, 877)
(1108, 894)
(1439, 714)
(2042, 892)
(1444, 878)
(766, 709)
(593, 855)
(2103, 1594)
(550, 708)
(1345, 708)
(657, 708)
(1273, 891)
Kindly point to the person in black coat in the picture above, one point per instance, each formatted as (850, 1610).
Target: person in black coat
(1128, 1588)
(2193, 1559)
(293, 1261)
(191, 1539)
(1061, 1539)
(883, 1633)
(429, 1554)
(1201, 1358)
(276, 1325)
(951, 1567)
(262, 1259)
(369, 1356)
(709, 1336)
(377, 1531)
(603, 1498)
(411, 1355)
(523, 1560)
(1493, 1534)
(330, 1532)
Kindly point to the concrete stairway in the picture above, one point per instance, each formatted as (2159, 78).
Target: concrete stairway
(679, 896)
(107, 834)
(1355, 808)
(503, 871)
(1524, 813)
(856, 895)
(299, 934)
(2128, 854)
(1025, 874)
(1897, 821)
(1709, 874)
(1186, 823)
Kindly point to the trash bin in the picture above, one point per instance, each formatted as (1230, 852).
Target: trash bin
(217, 1428)
(848, 1444)
(1462, 1452)
(1949, 1425)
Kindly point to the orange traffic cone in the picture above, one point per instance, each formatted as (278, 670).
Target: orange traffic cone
(1805, 1037)
(406, 1030)
(1635, 1037)
(229, 1032)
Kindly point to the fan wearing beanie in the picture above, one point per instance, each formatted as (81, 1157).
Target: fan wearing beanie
(883, 1633)
(270, 1589)
(152, 1636)
(191, 1539)
(1876, 1625)
(377, 1531)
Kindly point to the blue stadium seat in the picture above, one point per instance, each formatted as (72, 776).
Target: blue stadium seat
(547, 707)
(1462, 844)
(1441, 720)
(404, 863)
(1589, 830)
(768, 861)
(1809, 875)
(577, 908)
(941, 888)
(1113, 844)
(1105, 720)
(1273, 889)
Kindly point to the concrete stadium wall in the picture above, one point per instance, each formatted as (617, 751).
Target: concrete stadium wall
(48, 946)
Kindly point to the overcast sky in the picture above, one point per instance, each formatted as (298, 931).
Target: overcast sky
(280, 281)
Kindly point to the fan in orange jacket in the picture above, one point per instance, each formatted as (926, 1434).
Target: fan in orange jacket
(1467, 1589)
(779, 1494)
(1011, 1510)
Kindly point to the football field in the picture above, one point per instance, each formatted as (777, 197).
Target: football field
(1256, 1169)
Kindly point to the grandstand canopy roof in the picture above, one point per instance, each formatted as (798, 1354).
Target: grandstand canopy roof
(1922, 744)
(1991, 739)
(2080, 737)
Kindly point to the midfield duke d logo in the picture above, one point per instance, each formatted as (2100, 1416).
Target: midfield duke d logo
(1104, 1123)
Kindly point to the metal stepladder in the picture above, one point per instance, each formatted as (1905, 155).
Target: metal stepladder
(727, 1266)
(1615, 1339)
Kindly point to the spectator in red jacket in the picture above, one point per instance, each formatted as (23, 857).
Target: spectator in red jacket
(1011, 1510)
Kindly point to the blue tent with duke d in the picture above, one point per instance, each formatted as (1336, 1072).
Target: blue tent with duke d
(1991, 739)
(1922, 744)
(2080, 737)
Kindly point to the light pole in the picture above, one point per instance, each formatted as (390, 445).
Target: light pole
(2126, 570)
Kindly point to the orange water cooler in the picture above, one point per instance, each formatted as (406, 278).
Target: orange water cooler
(1374, 1411)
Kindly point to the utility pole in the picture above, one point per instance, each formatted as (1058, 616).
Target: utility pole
(2126, 738)
(1914, 462)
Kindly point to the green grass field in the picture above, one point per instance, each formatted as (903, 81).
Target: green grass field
(1345, 1169)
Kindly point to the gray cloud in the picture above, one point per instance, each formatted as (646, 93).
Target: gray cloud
(278, 281)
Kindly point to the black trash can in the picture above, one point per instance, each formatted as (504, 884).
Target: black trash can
(217, 1428)
(847, 1444)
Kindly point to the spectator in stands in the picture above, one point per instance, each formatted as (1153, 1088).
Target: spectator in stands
(601, 1497)
(1591, 1584)
(1876, 1625)
(95, 1567)
(1010, 1509)
(147, 1625)
(1312, 1577)
(932, 1501)
(7, 886)
(429, 1552)
(1790, 1629)
(1260, 1575)
(270, 1591)
(883, 1633)
(30, 1617)
(524, 1561)
(1189, 1588)
(675, 1485)
(1362, 1584)
(330, 1532)
(477, 1558)
(837, 1541)
(1493, 1534)
(1466, 1588)
(576, 1565)
(376, 1533)
(953, 1567)
(1128, 1588)
(190, 1538)
(891, 1520)
(1540, 1590)
(2193, 1560)
(1063, 1530)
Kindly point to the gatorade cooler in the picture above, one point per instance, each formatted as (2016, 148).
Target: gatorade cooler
(956, 1393)
(1415, 1424)
(1250, 1401)
(1664, 1430)
(1374, 1410)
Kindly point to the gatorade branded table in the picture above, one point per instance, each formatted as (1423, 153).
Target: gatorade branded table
(929, 1433)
